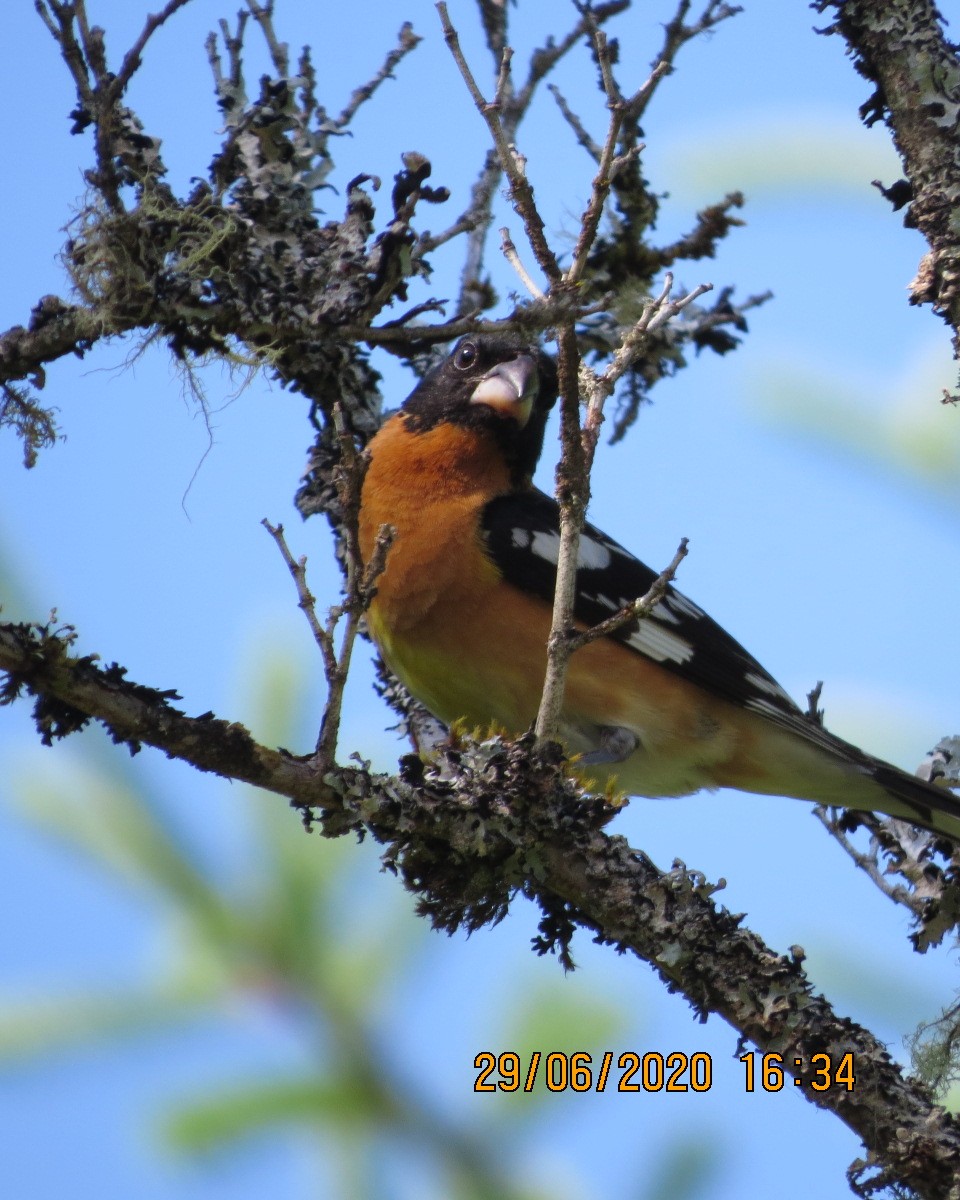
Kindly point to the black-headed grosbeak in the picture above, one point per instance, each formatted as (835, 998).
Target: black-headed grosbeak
(665, 707)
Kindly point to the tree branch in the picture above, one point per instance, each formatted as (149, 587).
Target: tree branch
(640, 608)
(900, 47)
(542, 837)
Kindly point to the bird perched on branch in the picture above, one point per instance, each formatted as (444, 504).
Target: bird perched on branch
(667, 705)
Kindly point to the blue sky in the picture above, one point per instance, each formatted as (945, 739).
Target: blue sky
(813, 471)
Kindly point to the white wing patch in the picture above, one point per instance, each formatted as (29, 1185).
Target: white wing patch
(663, 612)
(660, 644)
(650, 637)
(770, 686)
(546, 546)
(683, 606)
(593, 555)
(767, 708)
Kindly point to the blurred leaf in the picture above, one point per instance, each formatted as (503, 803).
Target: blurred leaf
(120, 830)
(283, 707)
(853, 979)
(297, 872)
(311, 888)
(242, 1111)
(17, 604)
(47, 1025)
(951, 1101)
(567, 1016)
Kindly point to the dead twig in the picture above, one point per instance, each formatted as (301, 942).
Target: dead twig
(512, 256)
(636, 611)
(359, 587)
(133, 57)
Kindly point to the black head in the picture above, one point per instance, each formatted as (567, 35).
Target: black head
(498, 384)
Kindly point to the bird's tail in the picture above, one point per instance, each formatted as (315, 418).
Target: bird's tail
(837, 773)
(933, 806)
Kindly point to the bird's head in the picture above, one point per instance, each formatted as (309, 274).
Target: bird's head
(495, 384)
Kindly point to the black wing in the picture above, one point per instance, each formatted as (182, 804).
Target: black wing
(523, 536)
(522, 531)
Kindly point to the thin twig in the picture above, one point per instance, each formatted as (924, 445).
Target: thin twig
(656, 312)
(543, 61)
(579, 445)
(572, 480)
(504, 80)
(428, 242)
(583, 137)
(354, 608)
(477, 219)
(407, 40)
(359, 586)
(573, 483)
(814, 713)
(636, 611)
(609, 162)
(132, 59)
(573, 495)
(58, 18)
(279, 51)
(531, 318)
(305, 598)
(90, 38)
(348, 477)
(512, 256)
(677, 34)
(598, 388)
(495, 17)
(513, 107)
(867, 864)
(233, 44)
(418, 310)
(590, 221)
(521, 192)
(336, 666)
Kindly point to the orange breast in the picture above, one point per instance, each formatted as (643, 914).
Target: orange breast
(430, 615)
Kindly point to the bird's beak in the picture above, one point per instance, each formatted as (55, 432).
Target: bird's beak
(510, 389)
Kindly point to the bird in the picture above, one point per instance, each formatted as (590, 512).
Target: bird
(666, 706)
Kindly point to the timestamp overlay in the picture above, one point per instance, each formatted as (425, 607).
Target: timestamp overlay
(633, 1071)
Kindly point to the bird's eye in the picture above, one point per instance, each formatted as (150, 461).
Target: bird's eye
(466, 356)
